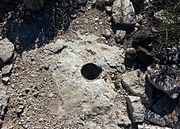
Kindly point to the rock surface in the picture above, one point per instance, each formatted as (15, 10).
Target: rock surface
(154, 118)
(7, 69)
(134, 81)
(165, 78)
(123, 12)
(91, 98)
(3, 101)
(136, 109)
(146, 126)
(71, 72)
(6, 51)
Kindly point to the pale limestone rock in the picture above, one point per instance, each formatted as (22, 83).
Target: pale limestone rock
(134, 81)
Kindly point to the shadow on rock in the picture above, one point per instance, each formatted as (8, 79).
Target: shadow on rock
(31, 29)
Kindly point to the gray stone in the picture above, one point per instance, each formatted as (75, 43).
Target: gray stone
(120, 34)
(107, 33)
(6, 51)
(123, 12)
(154, 118)
(3, 100)
(148, 126)
(134, 81)
(5, 80)
(7, 69)
(165, 78)
(34, 4)
(136, 109)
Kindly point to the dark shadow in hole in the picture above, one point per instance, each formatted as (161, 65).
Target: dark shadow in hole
(91, 71)
(31, 29)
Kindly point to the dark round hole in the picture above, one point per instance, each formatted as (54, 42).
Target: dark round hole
(91, 71)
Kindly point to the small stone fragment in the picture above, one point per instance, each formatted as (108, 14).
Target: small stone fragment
(154, 118)
(120, 34)
(6, 51)
(107, 33)
(5, 80)
(7, 69)
(136, 109)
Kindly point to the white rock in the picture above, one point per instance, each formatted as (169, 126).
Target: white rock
(7, 69)
(6, 51)
(5, 80)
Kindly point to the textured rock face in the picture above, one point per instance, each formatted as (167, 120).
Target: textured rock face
(87, 99)
(154, 118)
(136, 109)
(34, 4)
(123, 12)
(146, 126)
(165, 78)
(6, 51)
(134, 81)
(3, 101)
